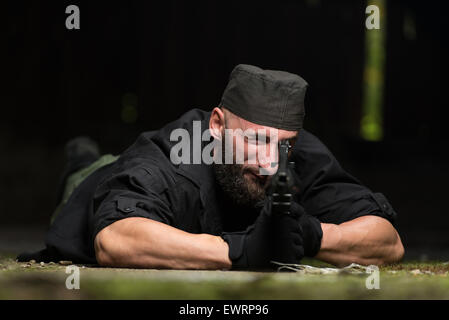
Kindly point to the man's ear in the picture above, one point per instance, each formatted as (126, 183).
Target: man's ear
(217, 123)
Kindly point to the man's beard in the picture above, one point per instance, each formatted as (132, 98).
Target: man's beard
(231, 178)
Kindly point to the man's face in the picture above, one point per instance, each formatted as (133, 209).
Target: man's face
(246, 181)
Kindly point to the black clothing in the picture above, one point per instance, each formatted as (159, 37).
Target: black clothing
(253, 248)
(311, 230)
(143, 182)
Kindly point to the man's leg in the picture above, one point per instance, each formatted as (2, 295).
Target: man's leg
(80, 152)
(83, 159)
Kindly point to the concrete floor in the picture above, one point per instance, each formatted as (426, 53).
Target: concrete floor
(48, 281)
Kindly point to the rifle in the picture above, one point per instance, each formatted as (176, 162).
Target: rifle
(282, 182)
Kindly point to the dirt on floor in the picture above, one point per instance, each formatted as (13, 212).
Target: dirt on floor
(32, 280)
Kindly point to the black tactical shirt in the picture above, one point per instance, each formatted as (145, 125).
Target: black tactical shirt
(143, 182)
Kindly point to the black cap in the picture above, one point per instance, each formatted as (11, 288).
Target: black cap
(266, 97)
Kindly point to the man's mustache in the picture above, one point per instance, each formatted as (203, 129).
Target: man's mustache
(255, 171)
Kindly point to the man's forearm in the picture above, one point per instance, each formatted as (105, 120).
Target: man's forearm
(365, 240)
(144, 243)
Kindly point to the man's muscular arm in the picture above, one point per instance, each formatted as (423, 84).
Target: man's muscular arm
(364, 240)
(145, 243)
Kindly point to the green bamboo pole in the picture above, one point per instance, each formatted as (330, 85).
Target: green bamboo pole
(371, 126)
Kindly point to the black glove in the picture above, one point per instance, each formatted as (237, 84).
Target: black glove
(253, 247)
(310, 229)
(287, 238)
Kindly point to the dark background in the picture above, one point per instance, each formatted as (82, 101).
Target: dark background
(165, 58)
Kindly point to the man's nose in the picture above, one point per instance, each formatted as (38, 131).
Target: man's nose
(267, 165)
(268, 170)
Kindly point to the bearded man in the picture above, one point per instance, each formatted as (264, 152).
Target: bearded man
(148, 209)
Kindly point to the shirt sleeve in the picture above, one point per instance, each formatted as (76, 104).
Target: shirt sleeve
(134, 192)
(330, 193)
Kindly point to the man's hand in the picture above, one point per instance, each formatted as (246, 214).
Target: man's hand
(288, 237)
(253, 247)
(273, 237)
(310, 228)
(298, 234)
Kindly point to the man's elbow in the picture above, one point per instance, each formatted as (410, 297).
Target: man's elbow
(103, 251)
(394, 254)
(114, 248)
(398, 251)
(391, 250)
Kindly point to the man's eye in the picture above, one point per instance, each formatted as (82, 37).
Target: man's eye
(291, 143)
